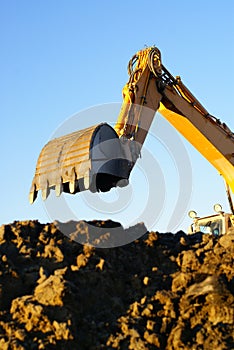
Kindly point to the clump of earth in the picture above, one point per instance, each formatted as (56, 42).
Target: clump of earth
(160, 291)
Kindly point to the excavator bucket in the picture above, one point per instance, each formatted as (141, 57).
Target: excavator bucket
(92, 159)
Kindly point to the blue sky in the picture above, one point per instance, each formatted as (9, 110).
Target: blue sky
(59, 58)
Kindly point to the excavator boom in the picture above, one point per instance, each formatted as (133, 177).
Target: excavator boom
(100, 157)
(151, 85)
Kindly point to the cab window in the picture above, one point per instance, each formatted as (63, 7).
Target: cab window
(211, 227)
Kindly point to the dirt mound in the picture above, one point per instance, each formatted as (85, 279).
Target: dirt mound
(162, 291)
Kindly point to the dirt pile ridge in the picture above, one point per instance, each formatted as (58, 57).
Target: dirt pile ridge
(162, 291)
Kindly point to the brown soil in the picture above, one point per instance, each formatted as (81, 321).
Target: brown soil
(162, 291)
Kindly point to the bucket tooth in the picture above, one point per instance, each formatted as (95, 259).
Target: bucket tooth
(32, 194)
(86, 181)
(72, 182)
(59, 188)
(72, 186)
(45, 191)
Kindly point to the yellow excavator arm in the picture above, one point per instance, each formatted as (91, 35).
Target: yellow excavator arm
(152, 87)
(100, 157)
